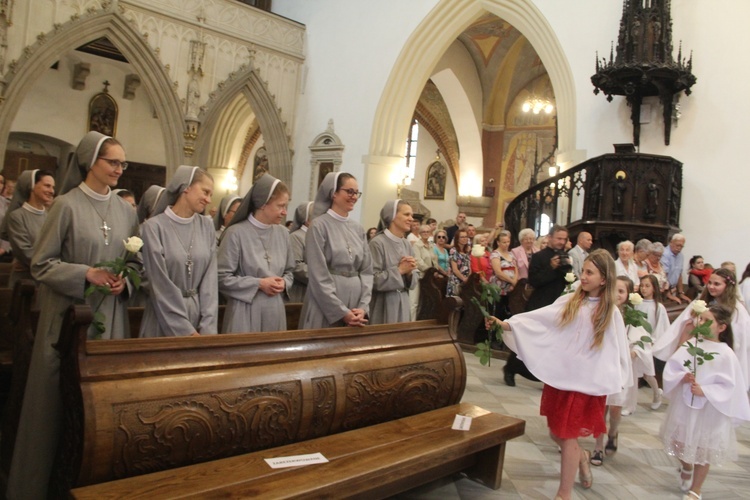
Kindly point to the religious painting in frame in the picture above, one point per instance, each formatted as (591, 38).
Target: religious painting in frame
(103, 114)
(260, 163)
(434, 187)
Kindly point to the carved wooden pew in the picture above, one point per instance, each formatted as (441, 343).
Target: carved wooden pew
(5, 269)
(141, 406)
(432, 288)
(293, 310)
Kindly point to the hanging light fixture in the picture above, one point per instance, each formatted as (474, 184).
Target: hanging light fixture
(536, 105)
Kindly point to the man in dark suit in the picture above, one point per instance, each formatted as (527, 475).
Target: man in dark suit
(547, 271)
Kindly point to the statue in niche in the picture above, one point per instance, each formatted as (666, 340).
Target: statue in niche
(652, 200)
(193, 97)
(619, 186)
(260, 164)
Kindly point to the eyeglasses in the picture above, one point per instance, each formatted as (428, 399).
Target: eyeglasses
(115, 163)
(441, 237)
(353, 193)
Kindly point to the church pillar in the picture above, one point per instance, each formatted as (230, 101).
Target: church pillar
(379, 186)
(493, 143)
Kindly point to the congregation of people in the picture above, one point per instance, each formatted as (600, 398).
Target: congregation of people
(572, 335)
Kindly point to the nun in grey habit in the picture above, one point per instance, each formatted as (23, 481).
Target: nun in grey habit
(148, 202)
(250, 252)
(338, 262)
(179, 255)
(220, 223)
(84, 227)
(297, 238)
(390, 289)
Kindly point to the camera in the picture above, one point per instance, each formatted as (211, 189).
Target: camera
(564, 260)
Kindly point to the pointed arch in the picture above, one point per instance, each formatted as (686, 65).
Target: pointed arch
(259, 102)
(73, 34)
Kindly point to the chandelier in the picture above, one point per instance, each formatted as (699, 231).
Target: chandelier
(536, 105)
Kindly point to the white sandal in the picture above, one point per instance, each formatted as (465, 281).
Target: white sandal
(691, 495)
(685, 484)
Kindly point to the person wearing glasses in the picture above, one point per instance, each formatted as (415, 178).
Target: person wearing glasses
(441, 253)
(86, 225)
(339, 263)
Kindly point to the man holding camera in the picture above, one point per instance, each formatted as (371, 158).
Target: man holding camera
(547, 271)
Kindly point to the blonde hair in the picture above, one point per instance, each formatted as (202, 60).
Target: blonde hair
(602, 260)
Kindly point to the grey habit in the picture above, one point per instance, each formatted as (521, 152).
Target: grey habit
(21, 227)
(250, 251)
(147, 203)
(297, 239)
(390, 289)
(179, 255)
(71, 241)
(224, 206)
(338, 262)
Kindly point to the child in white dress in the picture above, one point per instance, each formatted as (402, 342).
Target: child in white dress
(704, 408)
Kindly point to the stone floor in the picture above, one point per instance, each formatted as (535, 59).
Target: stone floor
(639, 470)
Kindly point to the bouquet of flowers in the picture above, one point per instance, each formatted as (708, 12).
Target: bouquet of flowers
(698, 333)
(570, 278)
(490, 296)
(636, 318)
(120, 267)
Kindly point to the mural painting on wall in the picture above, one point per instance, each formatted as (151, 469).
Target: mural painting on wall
(323, 170)
(434, 188)
(103, 113)
(519, 163)
(260, 164)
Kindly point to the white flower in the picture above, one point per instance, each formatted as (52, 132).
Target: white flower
(133, 244)
(635, 299)
(570, 277)
(699, 307)
(477, 251)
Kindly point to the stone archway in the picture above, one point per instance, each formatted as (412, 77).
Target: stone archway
(420, 54)
(73, 34)
(258, 101)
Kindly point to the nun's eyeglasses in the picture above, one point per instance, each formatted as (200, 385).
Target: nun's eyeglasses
(353, 193)
(115, 163)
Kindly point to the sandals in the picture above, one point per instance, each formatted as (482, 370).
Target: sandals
(584, 471)
(597, 458)
(611, 447)
(686, 482)
(691, 495)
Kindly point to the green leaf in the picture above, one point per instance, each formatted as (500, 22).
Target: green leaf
(89, 290)
(687, 363)
(647, 339)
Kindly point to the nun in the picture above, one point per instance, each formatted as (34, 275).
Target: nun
(256, 260)
(394, 267)
(86, 225)
(227, 208)
(27, 212)
(148, 202)
(297, 238)
(338, 258)
(179, 255)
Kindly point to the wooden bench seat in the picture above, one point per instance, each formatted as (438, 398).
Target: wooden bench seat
(372, 462)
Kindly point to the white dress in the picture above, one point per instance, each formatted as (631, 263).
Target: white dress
(700, 430)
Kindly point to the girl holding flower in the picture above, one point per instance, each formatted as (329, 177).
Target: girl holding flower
(580, 334)
(706, 403)
(179, 254)
(720, 289)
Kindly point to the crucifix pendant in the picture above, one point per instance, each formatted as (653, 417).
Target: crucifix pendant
(268, 259)
(349, 249)
(105, 229)
(189, 266)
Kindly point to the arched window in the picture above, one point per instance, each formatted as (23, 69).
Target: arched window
(411, 149)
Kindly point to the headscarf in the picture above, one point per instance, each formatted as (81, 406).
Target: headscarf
(148, 201)
(301, 214)
(324, 198)
(387, 214)
(258, 196)
(226, 202)
(80, 163)
(24, 186)
(180, 181)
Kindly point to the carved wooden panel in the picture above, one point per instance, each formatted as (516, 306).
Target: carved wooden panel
(324, 406)
(164, 434)
(381, 395)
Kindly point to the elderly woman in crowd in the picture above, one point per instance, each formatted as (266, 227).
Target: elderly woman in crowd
(655, 267)
(26, 214)
(297, 235)
(224, 214)
(624, 265)
(338, 258)
(86, 225)
(640, 253)
(394, 267)
(256, 260)
(179, 255)
(442, 255)
(523, 252)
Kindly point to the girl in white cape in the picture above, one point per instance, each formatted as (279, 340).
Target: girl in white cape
(577, 346)
(706, 406)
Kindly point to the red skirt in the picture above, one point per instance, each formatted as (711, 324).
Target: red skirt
(571, 415)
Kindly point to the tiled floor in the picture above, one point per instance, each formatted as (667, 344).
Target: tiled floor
(639, 470)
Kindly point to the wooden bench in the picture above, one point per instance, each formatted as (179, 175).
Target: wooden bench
(135, 316)
(138, 406)
(5, 270)
(432, 288)
(373, 462)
